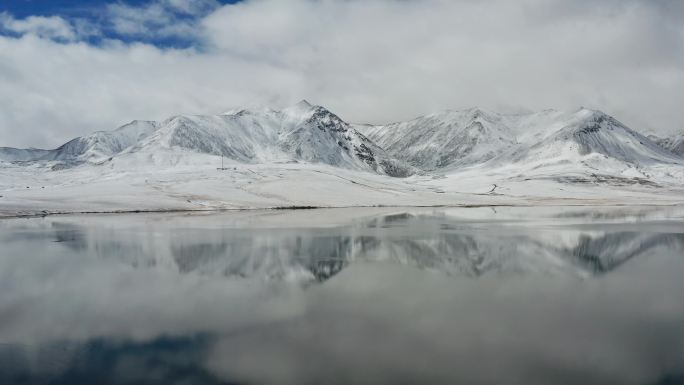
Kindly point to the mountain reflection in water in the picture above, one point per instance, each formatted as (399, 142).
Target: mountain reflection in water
(372, 296)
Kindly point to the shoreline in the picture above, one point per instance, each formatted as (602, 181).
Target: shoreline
(44, 213)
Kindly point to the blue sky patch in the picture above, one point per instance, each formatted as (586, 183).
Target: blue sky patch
(159, 22)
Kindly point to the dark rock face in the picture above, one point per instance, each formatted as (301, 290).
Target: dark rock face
(350, 143)
(327, 121)
(365, 153)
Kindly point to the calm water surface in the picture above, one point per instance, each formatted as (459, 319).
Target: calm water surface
(349, 296)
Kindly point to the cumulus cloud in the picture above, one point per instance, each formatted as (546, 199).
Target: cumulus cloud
(369, 61)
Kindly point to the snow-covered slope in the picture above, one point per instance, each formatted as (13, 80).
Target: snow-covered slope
(446, 139)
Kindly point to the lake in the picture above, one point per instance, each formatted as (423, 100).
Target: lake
(489, 295)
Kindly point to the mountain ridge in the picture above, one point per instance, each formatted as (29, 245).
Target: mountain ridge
(303, 132)
(488, 139)
(446, 141)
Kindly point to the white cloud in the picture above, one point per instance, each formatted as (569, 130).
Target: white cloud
(48, 27)
(374, 60)
(159, 18)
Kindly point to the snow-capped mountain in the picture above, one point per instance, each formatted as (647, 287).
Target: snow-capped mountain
(94, 147)
(103, 144)
(302, 132)
(588, 134)
(454, 139)
(446, 139)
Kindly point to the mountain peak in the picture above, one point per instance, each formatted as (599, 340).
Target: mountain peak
(481, 113)
(303, 104)
(592, 120)
(302, 109)
(474, 110)
(590, 113)
(466, 113)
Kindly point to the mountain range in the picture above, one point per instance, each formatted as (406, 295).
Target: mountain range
(445, 141)
(305, 155)
(454, 139)
(302, 132)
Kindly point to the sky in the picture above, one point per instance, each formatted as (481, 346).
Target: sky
(68, 68)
